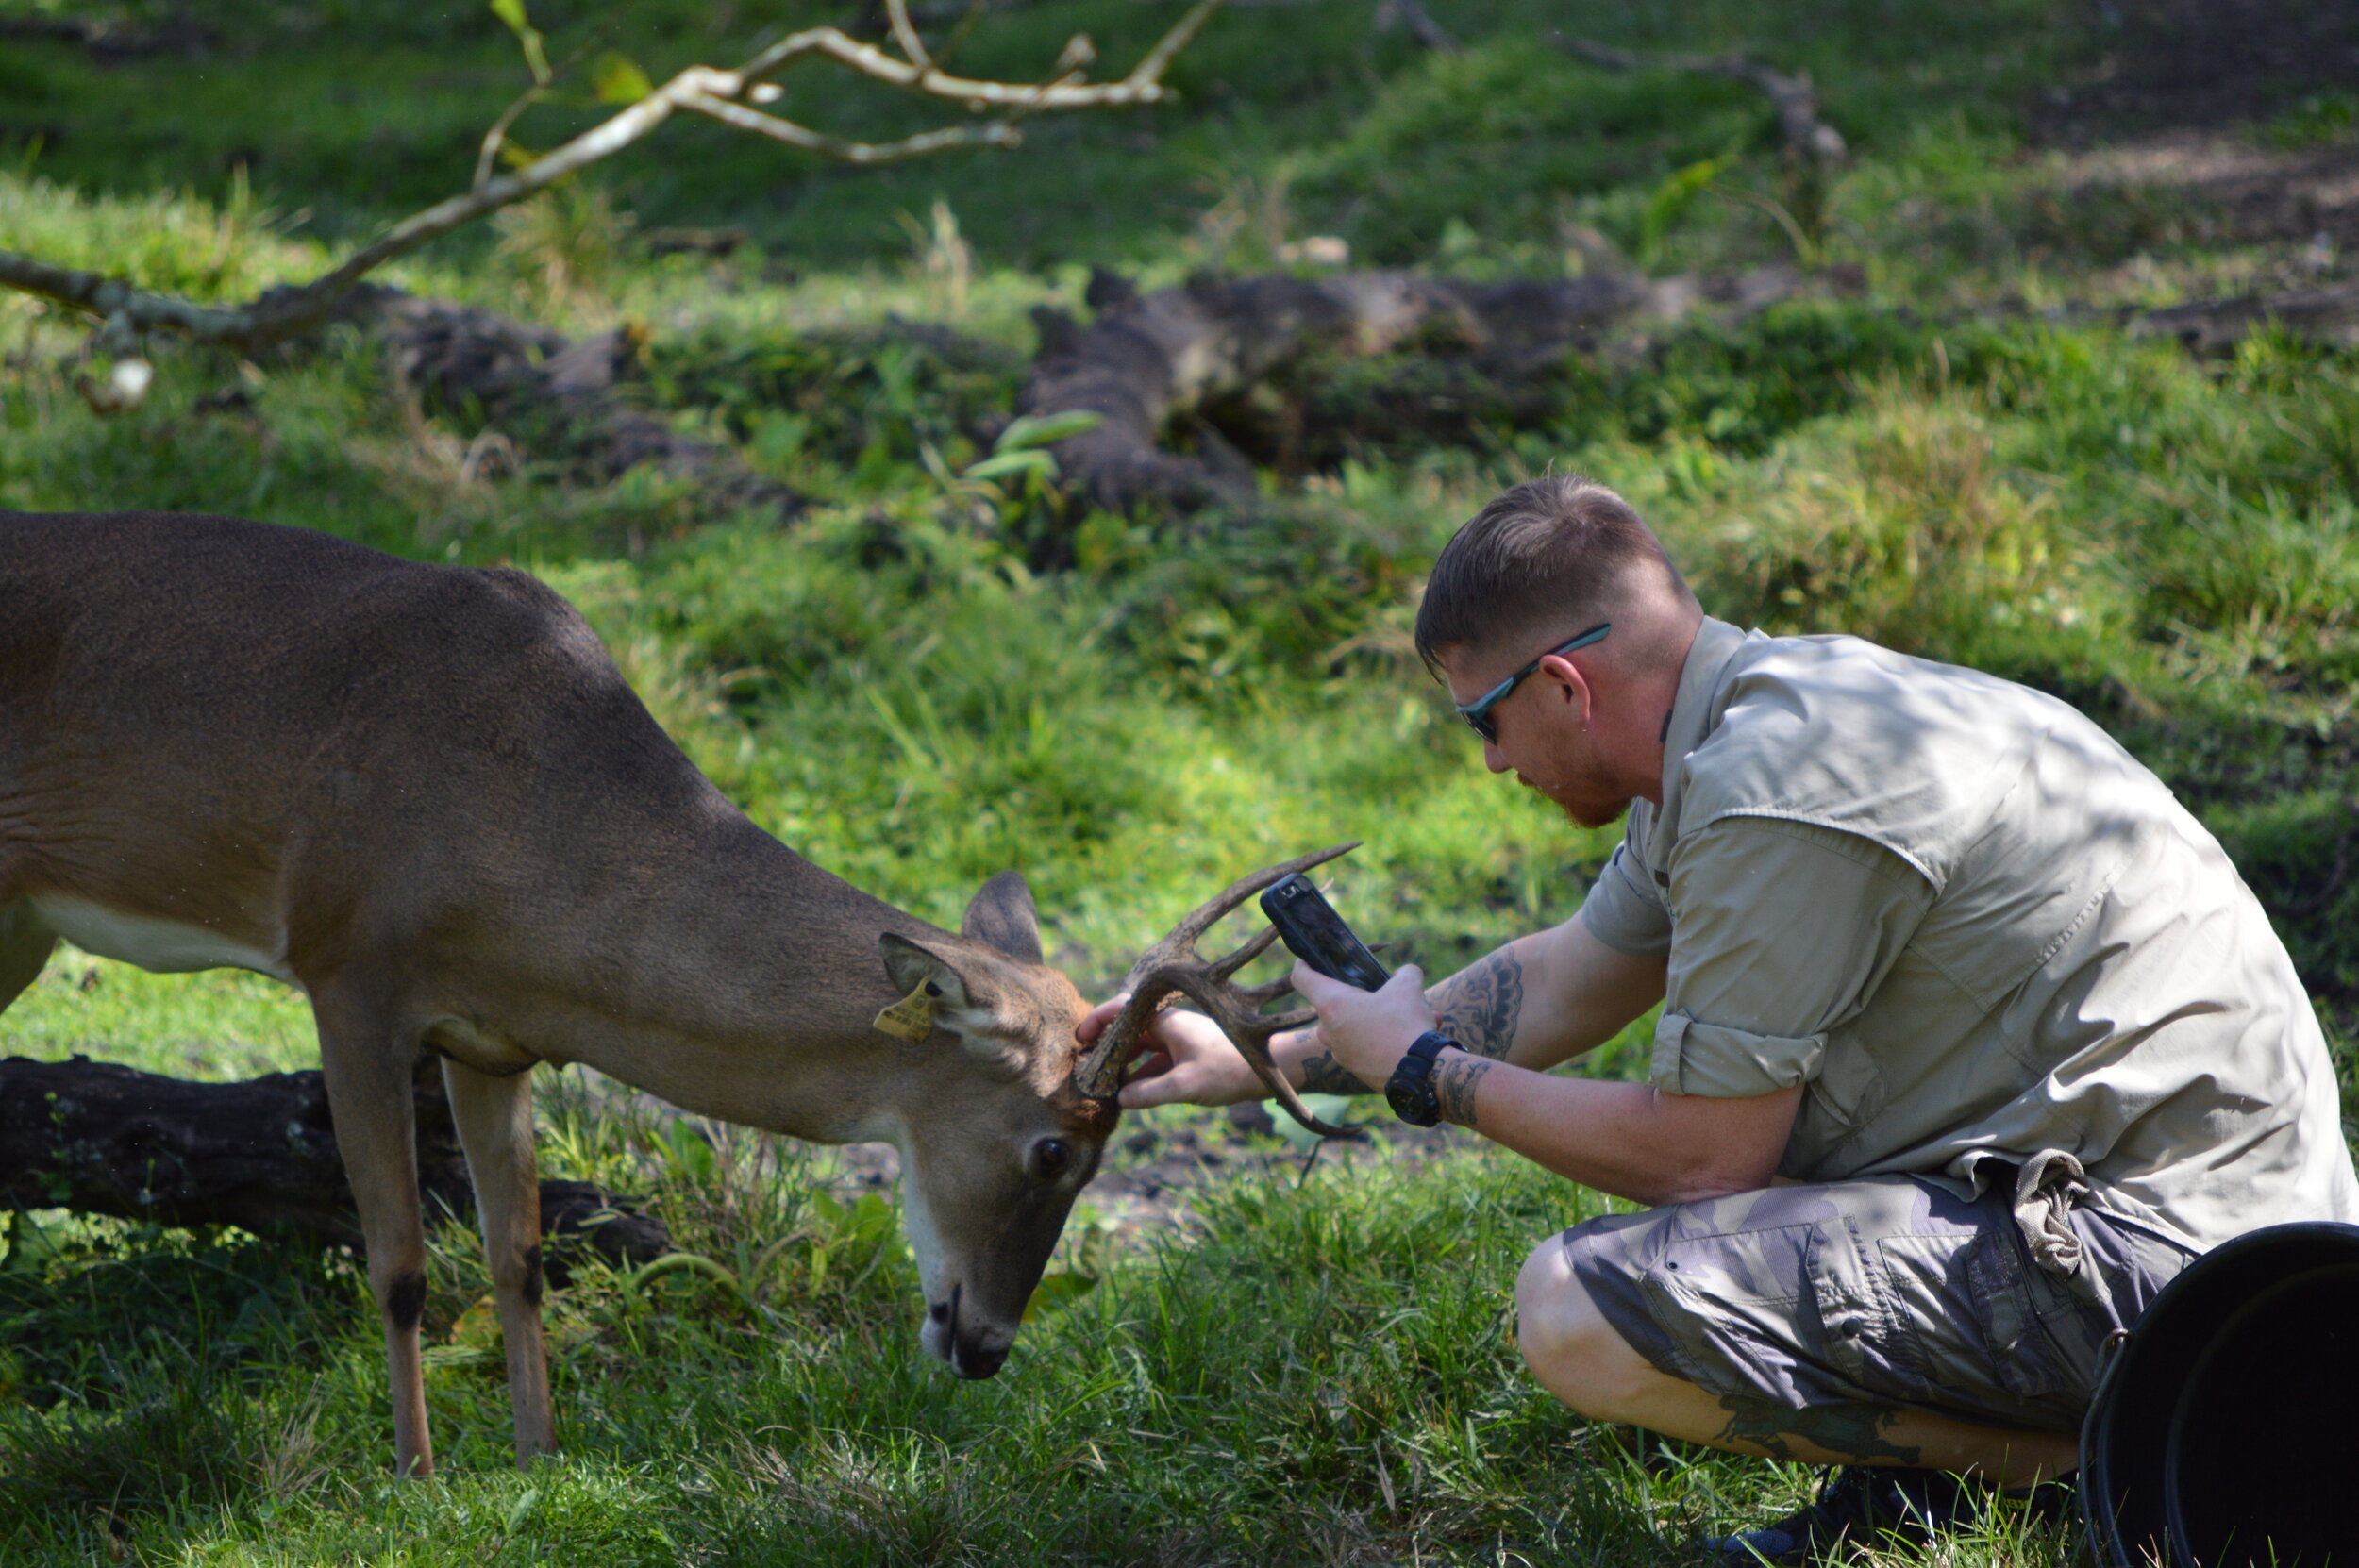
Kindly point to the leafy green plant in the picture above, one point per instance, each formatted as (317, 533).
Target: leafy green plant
(1670, 201)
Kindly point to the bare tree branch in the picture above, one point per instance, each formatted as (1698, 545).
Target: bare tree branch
(126, 312)
(1143, 85)
(1795, 99)
(496, 137)
(905, 32)
(851, 152)
(1421, 22)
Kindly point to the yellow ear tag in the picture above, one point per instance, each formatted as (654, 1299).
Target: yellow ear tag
(911, 1018)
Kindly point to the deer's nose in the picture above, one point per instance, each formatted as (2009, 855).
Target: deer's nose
(975, 1358)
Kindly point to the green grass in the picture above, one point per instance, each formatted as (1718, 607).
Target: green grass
(1244, 1396)
(1320, 1370)
(222, 1023)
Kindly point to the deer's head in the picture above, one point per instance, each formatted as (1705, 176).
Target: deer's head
(993, 1152)
(993, 1155)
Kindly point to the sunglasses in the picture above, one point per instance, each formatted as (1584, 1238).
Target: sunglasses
(1478, 712)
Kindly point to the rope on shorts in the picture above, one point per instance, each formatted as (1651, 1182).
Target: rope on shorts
(2047, 1188)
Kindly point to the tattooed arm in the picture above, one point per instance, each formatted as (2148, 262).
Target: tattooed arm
(1631, 1140)
(1536, 1002)
(1478, 1006)
(1539, 1000)
(1456, 1077)
(1481, 1005)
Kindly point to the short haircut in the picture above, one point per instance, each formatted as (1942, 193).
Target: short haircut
(1556, 552)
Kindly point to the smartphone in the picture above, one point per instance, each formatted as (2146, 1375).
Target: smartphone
(1313, 932)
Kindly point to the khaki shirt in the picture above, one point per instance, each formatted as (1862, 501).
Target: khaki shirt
(1978, 931)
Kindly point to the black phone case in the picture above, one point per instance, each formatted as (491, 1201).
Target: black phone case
(1313, 932)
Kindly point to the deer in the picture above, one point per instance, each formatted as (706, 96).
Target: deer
(426, 797)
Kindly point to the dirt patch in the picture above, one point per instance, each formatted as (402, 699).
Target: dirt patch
(1158, 1161)
(2198, 63)
(2245, 190)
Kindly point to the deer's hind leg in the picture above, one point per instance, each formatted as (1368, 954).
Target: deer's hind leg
(495, 1119)
(366, 1062)
(26, 944)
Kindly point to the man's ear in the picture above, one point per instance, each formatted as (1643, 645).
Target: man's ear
(913, 968)
(1002, 916)
(1573, 687)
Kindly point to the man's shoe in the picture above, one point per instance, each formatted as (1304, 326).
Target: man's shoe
(1859, 1505)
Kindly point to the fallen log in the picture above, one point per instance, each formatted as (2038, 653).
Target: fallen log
(2214, 325)
(550, 394)
(113, 39)
(1147, 359)
(1149, 362)
(100, 1139)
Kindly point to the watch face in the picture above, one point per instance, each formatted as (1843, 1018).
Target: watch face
(1409, 1103)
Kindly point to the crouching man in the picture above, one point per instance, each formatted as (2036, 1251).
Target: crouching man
(1971, 1035)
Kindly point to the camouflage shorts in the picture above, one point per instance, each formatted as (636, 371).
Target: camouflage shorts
(1889, 1290)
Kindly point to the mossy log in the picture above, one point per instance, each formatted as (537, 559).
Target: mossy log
(261, 1154)
(1147, 362)
(2217, 326)
(549, 396)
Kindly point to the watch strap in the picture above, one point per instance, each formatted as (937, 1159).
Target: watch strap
(1410, 1090)
(1426, 1047)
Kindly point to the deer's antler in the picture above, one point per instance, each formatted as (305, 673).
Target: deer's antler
(1173, 965)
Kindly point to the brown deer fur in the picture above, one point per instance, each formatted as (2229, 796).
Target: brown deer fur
(425, 795)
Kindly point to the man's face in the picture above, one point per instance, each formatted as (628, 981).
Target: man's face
(1545, 734)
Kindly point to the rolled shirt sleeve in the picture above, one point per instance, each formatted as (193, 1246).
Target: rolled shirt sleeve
(1781, 931)
(1625, 911)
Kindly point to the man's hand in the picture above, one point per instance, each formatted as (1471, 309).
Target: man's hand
(1368, 1031)
(1184, 1059)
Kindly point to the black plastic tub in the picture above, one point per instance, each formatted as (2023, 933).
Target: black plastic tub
(2224, 1434)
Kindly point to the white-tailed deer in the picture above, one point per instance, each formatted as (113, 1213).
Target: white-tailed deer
(425, 797)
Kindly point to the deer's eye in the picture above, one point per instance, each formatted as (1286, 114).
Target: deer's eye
(1050, 1156)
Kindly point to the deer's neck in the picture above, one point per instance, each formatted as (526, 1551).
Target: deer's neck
(730, 976)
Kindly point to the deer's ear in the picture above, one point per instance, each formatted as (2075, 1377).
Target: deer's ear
(940, 998)
(1002, 916)
(916, 969)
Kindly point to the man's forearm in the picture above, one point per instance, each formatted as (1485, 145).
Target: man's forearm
(1627, 1139)
(1541, 999)
(1312, 1068)
(1479, 1006)
(1482, 1006)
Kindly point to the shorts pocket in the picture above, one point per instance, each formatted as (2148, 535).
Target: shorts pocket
(1926, 1319)
(1727, 1301)
(1964, 1312)
(2020, 1350)
(1854, 1328)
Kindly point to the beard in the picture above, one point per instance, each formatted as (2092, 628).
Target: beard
(1582, 792)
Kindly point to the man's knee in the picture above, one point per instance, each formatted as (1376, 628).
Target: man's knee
(1569, 1345)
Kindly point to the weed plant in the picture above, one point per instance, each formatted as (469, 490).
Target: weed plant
(907, 684)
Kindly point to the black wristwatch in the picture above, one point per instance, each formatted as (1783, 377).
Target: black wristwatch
(1410, 1090)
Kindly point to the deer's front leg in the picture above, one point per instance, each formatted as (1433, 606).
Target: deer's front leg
(494, 1117)
(367, 1073)
(26, 944)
